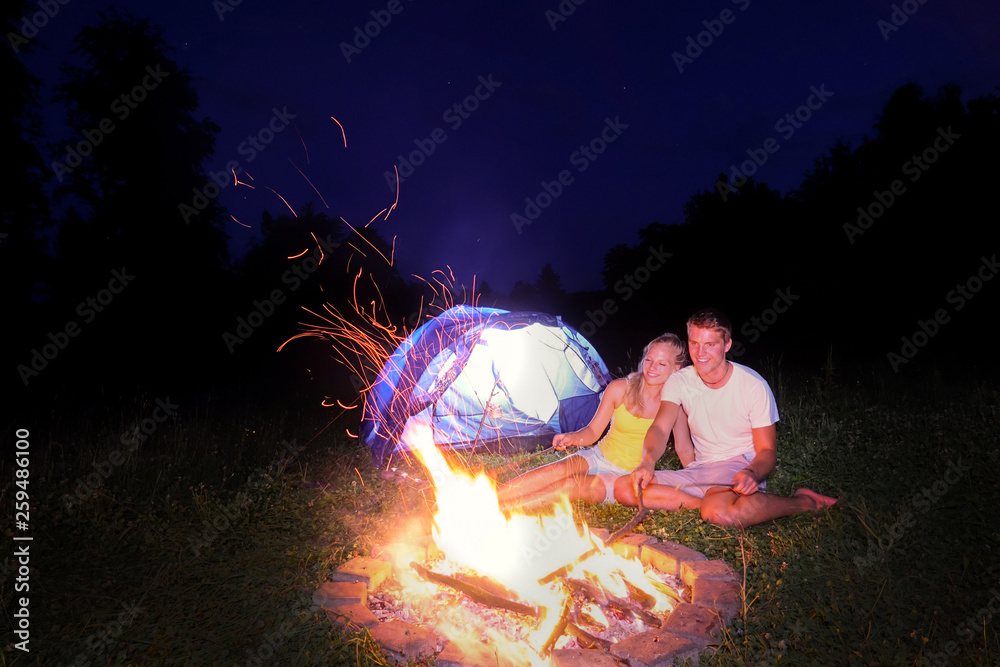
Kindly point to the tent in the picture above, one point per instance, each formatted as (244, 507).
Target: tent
(484, 377)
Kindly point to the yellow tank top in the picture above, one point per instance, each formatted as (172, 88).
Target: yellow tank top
(623, 443)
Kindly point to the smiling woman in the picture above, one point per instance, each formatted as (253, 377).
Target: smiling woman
(628, 405)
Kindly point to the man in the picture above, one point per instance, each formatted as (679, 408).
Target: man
(731, 413)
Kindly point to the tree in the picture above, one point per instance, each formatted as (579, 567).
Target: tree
(134, 153)
(24, 215)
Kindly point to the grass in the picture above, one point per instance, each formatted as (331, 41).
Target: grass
(204, 545)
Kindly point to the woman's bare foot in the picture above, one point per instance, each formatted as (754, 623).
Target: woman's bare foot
(821, 502)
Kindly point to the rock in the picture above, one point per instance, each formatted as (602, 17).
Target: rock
(340, 593)
(666, 557)
(694, 622)
(404, 641)
(583, 657)
(725, 597)
(352, 617)
(363, 570)
(655, 648)
(629, 546)
(472, 654)
(718, 570)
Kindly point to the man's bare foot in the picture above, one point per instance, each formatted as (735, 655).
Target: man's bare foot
(821, 502)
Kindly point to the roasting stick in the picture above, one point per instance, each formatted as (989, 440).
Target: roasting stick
(496, 472)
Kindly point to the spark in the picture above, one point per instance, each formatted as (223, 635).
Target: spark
(346, 407)
(238, 222)
(395, 203)
(375, 216)
(360, 477)
(283, 199)
(366, 241)
(310, 184)
(304, 147)
(341, 130)
(322, 255)
(299, 255)
(349, 434)
(238, 182)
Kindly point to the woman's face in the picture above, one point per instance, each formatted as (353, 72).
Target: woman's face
(659, 364)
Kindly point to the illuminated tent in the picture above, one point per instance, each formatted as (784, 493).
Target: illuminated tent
(483, 377)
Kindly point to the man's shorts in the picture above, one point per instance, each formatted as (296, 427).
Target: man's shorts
(696, 479)
(607, 471)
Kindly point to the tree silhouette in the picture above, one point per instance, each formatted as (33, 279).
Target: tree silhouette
(24, 216)
(134, 154)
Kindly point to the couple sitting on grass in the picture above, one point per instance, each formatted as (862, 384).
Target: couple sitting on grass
(722, 415)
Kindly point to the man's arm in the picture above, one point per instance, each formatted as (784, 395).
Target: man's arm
(655, 442)
(745, 482)
(682, 439)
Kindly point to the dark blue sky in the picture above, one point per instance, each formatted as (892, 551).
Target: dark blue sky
(549, 93)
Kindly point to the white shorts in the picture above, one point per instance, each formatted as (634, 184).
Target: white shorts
(696, 479)
(604, 469)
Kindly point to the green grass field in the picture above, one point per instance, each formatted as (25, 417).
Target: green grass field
(204, 544)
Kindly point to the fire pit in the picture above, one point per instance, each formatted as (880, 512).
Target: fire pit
(485, 588)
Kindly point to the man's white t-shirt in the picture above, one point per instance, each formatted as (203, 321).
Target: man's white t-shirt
(721, 419)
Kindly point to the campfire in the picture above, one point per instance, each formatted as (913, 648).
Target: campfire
(518, 589)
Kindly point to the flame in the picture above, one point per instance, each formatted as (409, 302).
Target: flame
(518, 551)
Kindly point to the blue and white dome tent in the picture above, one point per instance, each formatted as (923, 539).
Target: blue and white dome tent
(483, 377)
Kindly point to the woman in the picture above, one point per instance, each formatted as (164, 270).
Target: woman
(630, 404)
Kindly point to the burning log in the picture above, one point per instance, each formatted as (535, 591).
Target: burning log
(586, 639)
(475, 592)
(645, 600)
(559, 628)
(602, 598)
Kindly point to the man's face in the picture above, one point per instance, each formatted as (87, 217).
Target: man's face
(707, 349)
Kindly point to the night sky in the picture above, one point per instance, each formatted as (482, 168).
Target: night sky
(496, 98)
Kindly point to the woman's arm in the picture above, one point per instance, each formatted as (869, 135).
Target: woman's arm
(613, 396)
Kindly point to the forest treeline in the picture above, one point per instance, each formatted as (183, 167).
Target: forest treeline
(884, 254)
